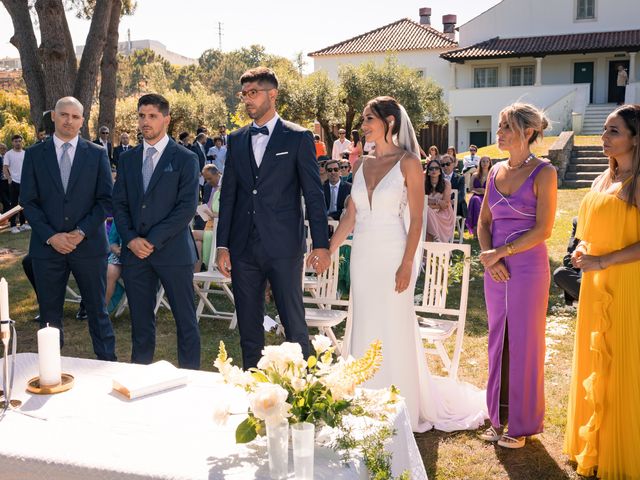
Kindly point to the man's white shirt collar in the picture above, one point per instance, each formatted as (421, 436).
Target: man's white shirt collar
(58, 142)
(160, 145)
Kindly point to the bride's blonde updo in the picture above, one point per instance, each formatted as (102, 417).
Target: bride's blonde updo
(521, 116)
(383, 107)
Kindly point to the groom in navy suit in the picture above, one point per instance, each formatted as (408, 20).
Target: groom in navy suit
(154, 199)
(261, 233)
(65, 192)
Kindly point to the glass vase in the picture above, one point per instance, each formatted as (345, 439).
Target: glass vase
(278, 448)
(303, 438)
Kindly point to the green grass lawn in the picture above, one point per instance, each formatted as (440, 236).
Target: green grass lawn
(447, 456)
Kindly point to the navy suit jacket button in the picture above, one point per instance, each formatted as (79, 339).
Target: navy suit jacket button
(144, 206)
(66, 218)
(255, 192)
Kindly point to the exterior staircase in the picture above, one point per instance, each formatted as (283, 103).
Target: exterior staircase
(585, 165)
(594, 117)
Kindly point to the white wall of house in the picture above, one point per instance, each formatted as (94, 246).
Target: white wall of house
(427, 61)
(472, 106)
(556, 70)
(525, 18)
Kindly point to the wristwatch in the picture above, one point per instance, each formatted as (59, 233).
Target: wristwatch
(80, 231)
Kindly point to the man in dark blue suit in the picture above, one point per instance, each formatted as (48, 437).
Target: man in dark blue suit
(269, 164)
(336, 190)
(154, 199)
(65, 191)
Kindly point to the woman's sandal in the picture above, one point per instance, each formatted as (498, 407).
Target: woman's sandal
(511, 442)
(489, 435)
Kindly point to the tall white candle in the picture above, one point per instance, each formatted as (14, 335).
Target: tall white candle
(49, 356)
(4, 305)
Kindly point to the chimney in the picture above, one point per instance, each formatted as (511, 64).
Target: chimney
(425, 16)
(449, 26)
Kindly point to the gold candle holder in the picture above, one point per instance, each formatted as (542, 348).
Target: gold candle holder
(66, 383)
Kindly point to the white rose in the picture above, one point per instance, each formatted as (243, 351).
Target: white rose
(281, 357)
(341, 386)
(268, 402)
(321, 344)
(221, 412)
(298, 383)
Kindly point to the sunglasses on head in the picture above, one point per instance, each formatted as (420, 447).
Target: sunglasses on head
(333, 169)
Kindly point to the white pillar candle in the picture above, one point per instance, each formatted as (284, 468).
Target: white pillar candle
(49, 356)
(4, 305)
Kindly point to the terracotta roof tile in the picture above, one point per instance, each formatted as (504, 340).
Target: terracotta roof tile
(548, 45)
(402, 35)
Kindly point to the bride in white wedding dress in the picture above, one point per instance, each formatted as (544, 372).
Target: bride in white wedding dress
(388, 193)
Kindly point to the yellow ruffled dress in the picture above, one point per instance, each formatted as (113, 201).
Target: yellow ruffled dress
(603, 426)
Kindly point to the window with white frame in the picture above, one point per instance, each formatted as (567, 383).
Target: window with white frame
(586, 9)
(522, 75)
(485, 77)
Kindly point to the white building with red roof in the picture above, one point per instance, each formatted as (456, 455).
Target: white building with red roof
(415, 44)
(561, 55)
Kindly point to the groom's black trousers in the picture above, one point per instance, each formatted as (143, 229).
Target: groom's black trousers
(250, 271)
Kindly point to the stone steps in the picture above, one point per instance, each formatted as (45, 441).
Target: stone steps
(576, 183)
(586, 167)
(590, 176)
(595, 116)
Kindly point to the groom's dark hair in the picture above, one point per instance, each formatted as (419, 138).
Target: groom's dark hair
(156, 100)
(261, 75)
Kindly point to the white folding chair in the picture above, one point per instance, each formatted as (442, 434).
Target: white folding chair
(309, 279)
(323, 309)
(437, 320)
(459, 224)
(212, 282)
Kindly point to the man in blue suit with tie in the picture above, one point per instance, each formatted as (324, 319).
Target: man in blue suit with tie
(269, 164)
(65, 192)
(154, 199)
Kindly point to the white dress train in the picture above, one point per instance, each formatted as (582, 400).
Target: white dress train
(380, 313)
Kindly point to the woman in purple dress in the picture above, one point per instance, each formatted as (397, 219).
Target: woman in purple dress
(478, 184)
(515, 220)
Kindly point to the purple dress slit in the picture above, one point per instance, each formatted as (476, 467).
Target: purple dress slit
(518, 309)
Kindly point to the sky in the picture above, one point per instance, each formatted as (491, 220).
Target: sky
(284, 27)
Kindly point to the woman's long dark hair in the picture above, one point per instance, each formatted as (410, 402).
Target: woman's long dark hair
(630, 114)
(427, 181)
(384, 106)
(356, 137)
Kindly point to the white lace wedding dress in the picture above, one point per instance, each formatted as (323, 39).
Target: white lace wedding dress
(379, 312)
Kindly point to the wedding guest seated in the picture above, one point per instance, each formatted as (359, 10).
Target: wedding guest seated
(322, 169)
(568, 277)
(457, 183)
(206, 212)
(114, 269)
(336, 190)
(470, 164)
(434, 153)
(345, 170)
(184, 139)
(440, 218)
(478, 184)
(457, 164)
(218, 154)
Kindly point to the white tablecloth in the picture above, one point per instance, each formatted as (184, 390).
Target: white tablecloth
(91, 432)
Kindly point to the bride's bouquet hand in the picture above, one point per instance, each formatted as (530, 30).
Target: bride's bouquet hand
(403, 276)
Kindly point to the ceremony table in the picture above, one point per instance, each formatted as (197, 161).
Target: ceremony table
(92, 432)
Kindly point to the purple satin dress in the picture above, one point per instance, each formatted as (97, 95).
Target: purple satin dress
(473, 211)
(518, 308)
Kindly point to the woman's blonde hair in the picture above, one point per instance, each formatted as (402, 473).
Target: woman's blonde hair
(521, 116)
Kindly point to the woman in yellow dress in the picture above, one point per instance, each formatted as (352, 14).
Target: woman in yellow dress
(603, 426)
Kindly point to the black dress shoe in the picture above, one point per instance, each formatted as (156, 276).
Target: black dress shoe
(82, 313)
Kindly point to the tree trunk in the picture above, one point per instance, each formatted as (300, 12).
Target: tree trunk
(24, 39)
(85, 82)
(57, 53)
(108, 71)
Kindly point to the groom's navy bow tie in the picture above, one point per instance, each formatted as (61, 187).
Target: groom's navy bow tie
(256, 130)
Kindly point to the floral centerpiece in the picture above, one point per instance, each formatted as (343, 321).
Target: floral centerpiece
(318, 390)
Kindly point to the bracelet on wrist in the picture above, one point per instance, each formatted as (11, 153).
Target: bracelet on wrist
(510, 249)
